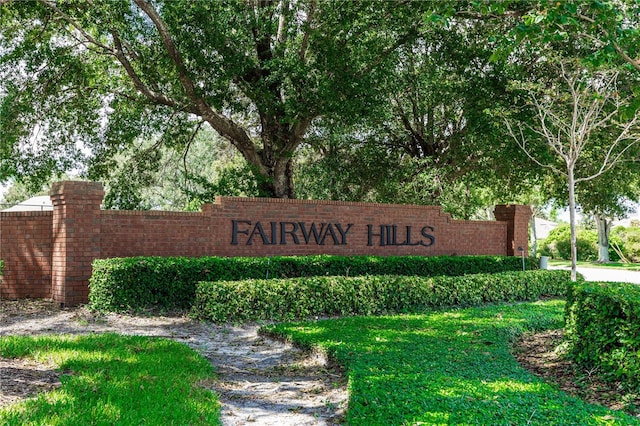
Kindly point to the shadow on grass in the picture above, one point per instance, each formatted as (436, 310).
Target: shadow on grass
(112, 379)
(447, 367)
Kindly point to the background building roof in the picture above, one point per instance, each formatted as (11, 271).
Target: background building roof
(40, 203)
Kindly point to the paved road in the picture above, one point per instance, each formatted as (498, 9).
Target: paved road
(608, 274)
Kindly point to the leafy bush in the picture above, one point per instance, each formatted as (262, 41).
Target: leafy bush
(628, 241)
(136, 283)
(603, 328)
(298, 298)
(558, 244)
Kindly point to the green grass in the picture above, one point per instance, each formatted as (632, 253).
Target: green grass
(449, 367)
(110, 379)
(612, 265)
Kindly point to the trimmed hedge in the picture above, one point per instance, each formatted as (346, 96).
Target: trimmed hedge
(138, 283)
(300, 298)
(603, 329)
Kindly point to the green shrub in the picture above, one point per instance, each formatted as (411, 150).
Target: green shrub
(628, 241)
(137, 283)
(299, 298)
(603, 328)
(558, 244)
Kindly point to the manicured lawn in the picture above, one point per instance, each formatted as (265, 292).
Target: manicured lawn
(449, 367)
(110, 379)
(444, 367)
(612, 265)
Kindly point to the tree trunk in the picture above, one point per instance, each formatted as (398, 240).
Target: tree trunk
(572, 224)
(278, 146)
(604, 228)
(278, 181)
(272, 164)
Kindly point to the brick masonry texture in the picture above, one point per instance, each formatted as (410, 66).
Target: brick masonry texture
(49, 254)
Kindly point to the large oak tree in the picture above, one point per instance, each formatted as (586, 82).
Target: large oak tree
(85, 78)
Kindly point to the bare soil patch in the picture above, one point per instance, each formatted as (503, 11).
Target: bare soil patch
(261, 381)
(22, 378)
(543, 355)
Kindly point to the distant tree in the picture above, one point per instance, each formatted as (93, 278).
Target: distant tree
(17, 192)
(609, 198)
(586, 126)
(144, 176)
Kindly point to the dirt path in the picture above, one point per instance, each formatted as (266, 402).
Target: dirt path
(261, 381)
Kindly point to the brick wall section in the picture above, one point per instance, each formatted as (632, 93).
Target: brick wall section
(451, 236)
(79, 232)
(154, 233)
(518, 229)
(126, 233)
(76, 238)
(25, 247)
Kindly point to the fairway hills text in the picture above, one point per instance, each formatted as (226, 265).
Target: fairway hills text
(282, 233)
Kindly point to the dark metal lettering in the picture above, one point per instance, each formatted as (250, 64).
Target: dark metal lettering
(292, 232)
(274, 227)
(394, 236)
(431, 238)
(388, 233)
(258, 230)
(312, 231)
(370, 235)
(329, 230)
(408, 242)
(284, 233)
(343, 232)
(235, 231)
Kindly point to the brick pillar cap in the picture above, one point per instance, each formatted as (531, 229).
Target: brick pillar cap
(512, 209)
(75, 189)
(75, 186)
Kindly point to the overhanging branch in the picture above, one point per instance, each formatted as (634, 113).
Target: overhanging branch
(224, 126)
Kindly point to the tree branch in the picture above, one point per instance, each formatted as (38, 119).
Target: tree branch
(172, 50)
(386, 52)
(186, 149)
(307, 31)
(281, 35)
(137, 81)
(608, 163)
(555, 142)
(634, 62)
(522, 143)
(224, 126)
(88, 37)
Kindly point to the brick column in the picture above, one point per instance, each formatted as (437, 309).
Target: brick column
(76, 238)
(517, 218)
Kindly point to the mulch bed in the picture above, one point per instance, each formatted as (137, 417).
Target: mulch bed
(24, 378)
(542, 354)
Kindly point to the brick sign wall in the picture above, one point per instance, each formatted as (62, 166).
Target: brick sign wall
(50, 255)
(26, 249)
